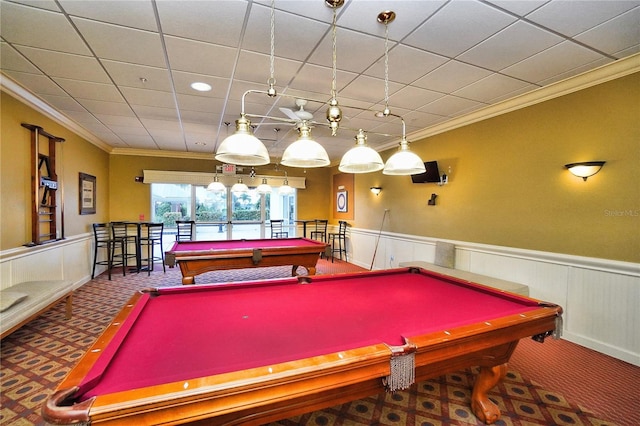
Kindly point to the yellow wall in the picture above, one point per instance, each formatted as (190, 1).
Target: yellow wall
(74, 156)
(130, 199)
(508, 184)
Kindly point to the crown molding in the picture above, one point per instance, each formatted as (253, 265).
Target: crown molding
(169, 154)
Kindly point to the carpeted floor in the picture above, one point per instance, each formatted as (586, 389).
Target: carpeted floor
(37, 357)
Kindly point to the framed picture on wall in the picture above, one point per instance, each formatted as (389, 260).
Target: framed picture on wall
(341, 202)
(87, 192)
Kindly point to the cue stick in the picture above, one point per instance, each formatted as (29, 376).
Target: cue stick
(378, 239)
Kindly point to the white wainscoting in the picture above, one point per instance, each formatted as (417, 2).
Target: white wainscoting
(600, 298)
(70, 259)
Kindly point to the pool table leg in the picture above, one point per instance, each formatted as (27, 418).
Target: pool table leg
(188, 280)
(482, 406)
(311, 270)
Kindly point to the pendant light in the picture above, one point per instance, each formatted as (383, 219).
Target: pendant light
(216, 185)
(240, 187)
(403, 162)
(305, 152)
(264, 187)
(285, 189)
(334, 113)
(361, 158)
(243, 148)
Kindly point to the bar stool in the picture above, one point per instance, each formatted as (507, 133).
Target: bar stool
(320, 230)
(277, 229)
(103, 240)
(184, 230)
(150, 236)
(340, 238)
(121, 231)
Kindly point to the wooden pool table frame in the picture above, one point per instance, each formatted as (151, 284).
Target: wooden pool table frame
(260, 395)
(196, 262)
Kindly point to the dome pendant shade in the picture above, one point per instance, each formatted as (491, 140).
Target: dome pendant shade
(216, 185)
(264, 187)
(305, 152)
(404, 162)
(243, 148)
(361, 158)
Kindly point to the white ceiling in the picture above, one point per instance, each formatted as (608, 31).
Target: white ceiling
(122, 69)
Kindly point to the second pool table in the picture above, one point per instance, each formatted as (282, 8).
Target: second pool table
(254, 352)
(198, 257)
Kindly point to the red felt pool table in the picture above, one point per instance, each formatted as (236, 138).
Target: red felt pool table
(198, 257)
(251, 353)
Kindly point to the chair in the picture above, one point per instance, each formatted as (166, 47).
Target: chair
(103, 240)
(339, 238)
(277, 229)
(121, 233)
(150, 236)
(320, 231)
(184, 230)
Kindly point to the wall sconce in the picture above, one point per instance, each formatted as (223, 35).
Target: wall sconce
(585, 169)
(376, 190)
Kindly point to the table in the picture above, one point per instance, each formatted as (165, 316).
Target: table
(198, 257)
(304, 225)
(255, 352)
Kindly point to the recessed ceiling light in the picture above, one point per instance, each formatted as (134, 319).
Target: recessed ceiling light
(201, 87)
(201, 143)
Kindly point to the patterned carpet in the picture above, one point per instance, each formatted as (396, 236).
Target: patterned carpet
(36, 358)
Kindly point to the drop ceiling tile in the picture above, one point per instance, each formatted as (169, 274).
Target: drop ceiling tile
(509, 46)
(449, 106)
(160, 124)
(128, 13)
(552, 62)
(119, 120)
(140, 76)
(406, 64)
(519, 7)
(218, 22)
(362, 16)
(452, 76)
(618, 34)
(295, 36)
(109, 108)
(490, 88)
(198, 117)
(317, 79)
(62, 102)
(156, 98)
(411, 97)
(37, 84)
(574, 17)
(201, 58)
(157, 113)
(420, 120)
(66, 65)
(200, 103)
(41, 4)
(255, 67)
(138, 141)
(350, 54)
(123, 44)
(457, 27)
(126, 131)
(576, 71)
(88, 90)
(33, 27)
(11, 60)
(82, 117)
(368, 89)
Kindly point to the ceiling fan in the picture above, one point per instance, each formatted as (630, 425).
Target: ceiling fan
(299, 115)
